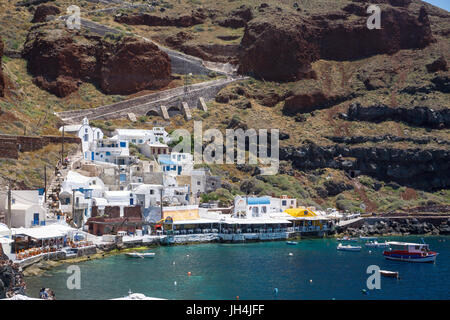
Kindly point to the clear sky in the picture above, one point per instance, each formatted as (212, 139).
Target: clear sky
(444, 4)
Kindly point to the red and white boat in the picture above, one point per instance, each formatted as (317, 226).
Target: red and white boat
(410, 252)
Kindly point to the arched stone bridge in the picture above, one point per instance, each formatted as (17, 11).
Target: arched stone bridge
(164, 103)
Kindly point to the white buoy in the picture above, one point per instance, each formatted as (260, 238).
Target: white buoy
(310, 280)
(291, 254)
(370, 251)
(187, 255)
(175, 283)
(173, 263)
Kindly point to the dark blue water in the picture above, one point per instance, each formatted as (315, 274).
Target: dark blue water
(253, 270)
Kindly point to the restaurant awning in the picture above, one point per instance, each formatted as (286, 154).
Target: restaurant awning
(39, 233)
(4, 240)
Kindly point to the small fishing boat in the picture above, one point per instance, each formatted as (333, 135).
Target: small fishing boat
(348, 247)
(376, 244)
(410, 252)
(368, 238)
(346, 238)
(140, 255)
(291, 242)
(386, 273)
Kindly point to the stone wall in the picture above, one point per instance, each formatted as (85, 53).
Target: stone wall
(134, 212)
(11, 145)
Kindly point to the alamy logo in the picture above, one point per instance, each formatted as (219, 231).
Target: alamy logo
(373, 281)
(74, 280)
(374, 21)
(213, 151)
(74, 19)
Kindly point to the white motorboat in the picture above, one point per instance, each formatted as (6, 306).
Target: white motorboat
(140, 255)
(348, 247)
(368, 238)
(376, 244)
(347, 238)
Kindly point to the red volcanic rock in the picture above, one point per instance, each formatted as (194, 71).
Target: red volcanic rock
(187, 20)
(43, 11)
(307, 102)
(62, 86)
(60, 60)
(2, 80)
(439, 64)
(282, 48)
(133, 66)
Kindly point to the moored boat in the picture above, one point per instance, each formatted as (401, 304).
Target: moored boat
(410, 252)
(348, 247)
(291, 242)
(387, 273)
(140, 255)
(368, 238)
(376, 244)
(346, 238)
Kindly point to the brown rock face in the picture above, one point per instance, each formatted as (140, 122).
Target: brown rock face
(2, 80)
(43, 11)
(308, 102)
(61, 60)
(134, 66)
(187, 20)
(282, 48)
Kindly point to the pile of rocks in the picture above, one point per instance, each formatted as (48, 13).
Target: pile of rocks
(11, 280)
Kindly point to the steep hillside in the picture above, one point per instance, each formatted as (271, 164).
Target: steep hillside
(364, 114)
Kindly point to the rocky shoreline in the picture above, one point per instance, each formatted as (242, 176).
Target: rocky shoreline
(11, 280)
(397, 227)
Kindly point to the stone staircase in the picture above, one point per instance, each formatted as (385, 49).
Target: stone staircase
(52, 204)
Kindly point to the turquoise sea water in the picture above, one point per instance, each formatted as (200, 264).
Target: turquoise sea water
(253, 271)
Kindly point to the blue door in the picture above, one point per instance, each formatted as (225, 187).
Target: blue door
(131, 201)
(36, 219)
(179, 169)
(92, 156)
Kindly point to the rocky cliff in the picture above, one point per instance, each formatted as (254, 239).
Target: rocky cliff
(186, 20)
(44, 10)
(60, 60)
(417, 116)
(281, 47)
(424, 168)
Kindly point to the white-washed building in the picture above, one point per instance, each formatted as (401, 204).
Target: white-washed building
(77, 192)
(26, 210)
(282, 203)
(153, 149)
(111, 150)
(85, 132)
(176, 163)
(140, 136)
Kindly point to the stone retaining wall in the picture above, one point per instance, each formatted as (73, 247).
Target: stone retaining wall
(11, 145)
